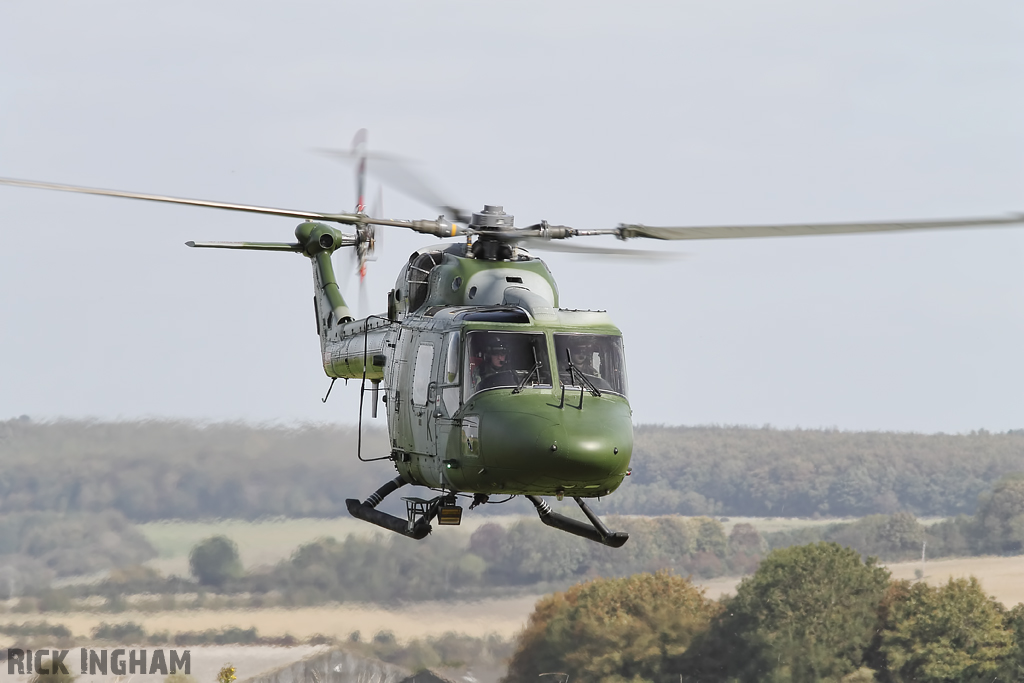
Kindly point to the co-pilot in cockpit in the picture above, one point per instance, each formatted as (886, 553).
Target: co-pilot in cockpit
(597, 357)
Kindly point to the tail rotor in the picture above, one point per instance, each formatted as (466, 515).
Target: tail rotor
(366, 234)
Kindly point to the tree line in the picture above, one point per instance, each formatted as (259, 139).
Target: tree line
(529, 555)
(802, 473)
(151, 470)
(523, 557)
(996, 528)
(38, 547)
(159, 469)
(808, 614)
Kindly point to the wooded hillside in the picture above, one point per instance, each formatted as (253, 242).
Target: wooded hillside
(799, 473)
(164, 469)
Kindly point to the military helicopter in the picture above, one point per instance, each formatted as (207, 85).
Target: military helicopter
(490, 386)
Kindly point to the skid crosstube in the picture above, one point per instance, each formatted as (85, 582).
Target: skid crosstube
(596, 531)
(368, 512)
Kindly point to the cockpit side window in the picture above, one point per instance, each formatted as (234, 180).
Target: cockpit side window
(506, 359)
(452, 359)
(598, 357)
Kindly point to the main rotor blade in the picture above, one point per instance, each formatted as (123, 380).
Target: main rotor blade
(254, 246)
(627, 231)
(644, 254)
(400, 173)
(436, 228)
(291, 213)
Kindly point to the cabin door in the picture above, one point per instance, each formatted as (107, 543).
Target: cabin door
(422, 392)
(448, 398)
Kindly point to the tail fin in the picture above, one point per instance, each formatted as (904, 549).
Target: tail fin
(317, 242)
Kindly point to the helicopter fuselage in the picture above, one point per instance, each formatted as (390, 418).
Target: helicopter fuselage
(488, 386)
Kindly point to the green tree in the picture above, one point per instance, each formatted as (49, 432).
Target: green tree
(1013, 667)
(951, 633)
(807, 614)
(215, 561)
(891, 537)
(609, 630)
(999, 524)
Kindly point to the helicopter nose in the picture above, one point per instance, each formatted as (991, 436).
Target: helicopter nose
(555, 448)
(591, 447)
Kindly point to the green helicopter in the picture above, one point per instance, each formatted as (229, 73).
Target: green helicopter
(490, 386)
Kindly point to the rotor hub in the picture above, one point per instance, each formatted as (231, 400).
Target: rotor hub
(492, 218)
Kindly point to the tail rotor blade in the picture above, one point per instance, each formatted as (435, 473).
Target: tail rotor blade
(366, 247)
(359, 154)
(403, 175)
(364, 298)
(376, 211)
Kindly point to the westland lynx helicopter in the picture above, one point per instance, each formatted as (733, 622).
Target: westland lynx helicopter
(489, 385)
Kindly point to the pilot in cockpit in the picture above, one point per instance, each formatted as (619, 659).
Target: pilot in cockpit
(586, 361)
(495, 363)
(583, 360)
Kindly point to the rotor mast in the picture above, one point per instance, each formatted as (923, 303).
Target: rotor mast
(493, 227)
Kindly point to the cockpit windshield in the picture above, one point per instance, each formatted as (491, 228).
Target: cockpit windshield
(506, 359)
(598, 357)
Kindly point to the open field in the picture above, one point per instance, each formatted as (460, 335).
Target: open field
(504, 616)
(767, 525)
(270, 541)
(1001, 577)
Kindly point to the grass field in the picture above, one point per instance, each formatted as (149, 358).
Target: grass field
(504, 616)
(1001, 577)
(270, 541)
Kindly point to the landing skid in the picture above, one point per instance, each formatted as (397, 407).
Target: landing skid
(419, 512)
(417, 525)
(596, 531)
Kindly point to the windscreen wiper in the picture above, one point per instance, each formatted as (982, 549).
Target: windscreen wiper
(534, 371)
(576, 372)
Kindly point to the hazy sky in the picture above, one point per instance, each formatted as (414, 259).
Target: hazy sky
(586, 114)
